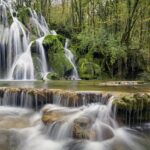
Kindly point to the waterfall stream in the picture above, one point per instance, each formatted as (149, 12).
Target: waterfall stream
(15, 46)
(70, 57)
(91, 126)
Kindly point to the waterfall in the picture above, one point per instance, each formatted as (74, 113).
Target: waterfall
(69, 55)
(41, 51)
(23, 68)
(37, 98)
(4, 37)
(15, 47)
(18, 42)
(40, 23)
(85, 127)
(16, 62)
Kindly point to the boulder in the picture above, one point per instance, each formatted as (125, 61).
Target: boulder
(49, 117)
(81, 128)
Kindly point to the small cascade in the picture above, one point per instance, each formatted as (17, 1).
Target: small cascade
(41, 51)
(4, 38)
(70, 57)
(89, 123)
(40, 23)
(18, 41)
(14, 44)
(37, 98)
(16, 59)
(15, 47)
(23, 68)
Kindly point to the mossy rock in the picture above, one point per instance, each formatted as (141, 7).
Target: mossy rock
(56, 56)
(52, 76)
(88, 70)
(52, 44)
(24, 16)
(136, 107)
(61, 38)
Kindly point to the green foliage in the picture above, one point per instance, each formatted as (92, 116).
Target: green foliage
(88, 70)
(56, 57)
(24, 15)
(53, 76)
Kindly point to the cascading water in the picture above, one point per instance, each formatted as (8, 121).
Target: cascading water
(41, 51)
(18, 41)
(71, 59)
(23, 67)
(87, 127)
(4, 38)
(40, 23)
(15, 45)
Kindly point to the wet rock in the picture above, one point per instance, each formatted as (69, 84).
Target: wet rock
(121, 83)
(105, 133)
(136, 107)
(51, 116)
(81, 128)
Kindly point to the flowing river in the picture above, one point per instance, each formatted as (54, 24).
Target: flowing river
(55, 126)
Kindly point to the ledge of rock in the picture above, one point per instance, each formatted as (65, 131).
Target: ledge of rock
(132, 109)
(37, 98)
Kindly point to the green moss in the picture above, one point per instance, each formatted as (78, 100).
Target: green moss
(136, 107)
(61, 38)
(52, 44)
(24, 16)
(88, 70)
(53, 76)
(56, 57)
(33, 32)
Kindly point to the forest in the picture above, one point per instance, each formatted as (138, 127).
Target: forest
(110, 38)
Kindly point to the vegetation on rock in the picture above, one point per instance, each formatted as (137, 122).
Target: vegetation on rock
(56, 57)
(134, 108)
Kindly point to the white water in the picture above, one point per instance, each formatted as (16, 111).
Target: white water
(23, 67)
(40, 49)
(40, 23)
(15, 46)
(25, 131)
(69, 55)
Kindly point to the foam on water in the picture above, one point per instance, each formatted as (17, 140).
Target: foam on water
(58, 135)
